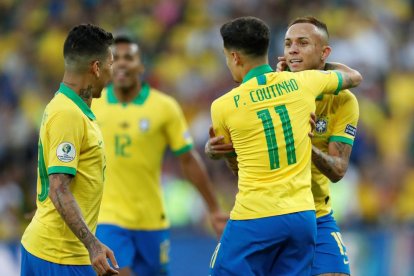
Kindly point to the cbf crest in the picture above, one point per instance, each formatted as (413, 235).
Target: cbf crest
(321, 125)
(144, 125)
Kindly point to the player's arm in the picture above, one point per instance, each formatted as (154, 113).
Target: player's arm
(333, 164)
(350, 77)
(68, 208)
(233, 164)
(215, 147)
(196, 172)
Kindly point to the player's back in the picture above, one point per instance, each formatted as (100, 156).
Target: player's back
(267, 120)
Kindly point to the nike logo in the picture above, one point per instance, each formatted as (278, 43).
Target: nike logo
(346, 261)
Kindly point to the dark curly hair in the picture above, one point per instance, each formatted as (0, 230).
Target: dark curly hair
(247, 34)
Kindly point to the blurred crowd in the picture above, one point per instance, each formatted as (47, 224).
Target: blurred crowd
(182, 52)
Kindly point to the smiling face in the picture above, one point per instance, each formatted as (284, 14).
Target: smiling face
(127, 65)
(306, 47)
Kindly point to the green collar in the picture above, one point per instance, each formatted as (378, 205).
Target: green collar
(139, 99)
(257, 71)
(65, 90)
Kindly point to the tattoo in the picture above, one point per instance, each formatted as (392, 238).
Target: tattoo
(329, 66)
(334, 164)
(86, 94)
(68, 208)
(347, 81)
(233, 165)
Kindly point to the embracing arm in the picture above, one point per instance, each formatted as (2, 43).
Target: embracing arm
(68, 208)
(350, 77)
(334, 163)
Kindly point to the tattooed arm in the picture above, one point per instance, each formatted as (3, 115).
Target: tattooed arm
(232, 164)
(70, 212)
(350, 77)
(334, 163)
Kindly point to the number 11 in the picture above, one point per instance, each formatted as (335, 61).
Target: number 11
(270, 134)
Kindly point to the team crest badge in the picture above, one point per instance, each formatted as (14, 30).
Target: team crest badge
(144, 125)
(66, 152)
(321, 125)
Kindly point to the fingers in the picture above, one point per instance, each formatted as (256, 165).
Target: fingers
(211, 132)
(216, 140)
(111, 257)
(108, 270)
(281, 58)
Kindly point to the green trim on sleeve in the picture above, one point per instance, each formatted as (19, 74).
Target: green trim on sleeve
(340, 81)
(61, 169)
(341, 139)
(44, 179)
(183, 150)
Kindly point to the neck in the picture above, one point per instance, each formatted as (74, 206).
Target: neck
(126, 95)
(251, 64)
(80, 84)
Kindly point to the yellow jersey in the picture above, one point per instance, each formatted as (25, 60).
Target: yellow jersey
(136, 136)
(337, 119)
(267, 120)
(70, 142)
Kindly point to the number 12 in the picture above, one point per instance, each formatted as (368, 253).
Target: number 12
(270, 134)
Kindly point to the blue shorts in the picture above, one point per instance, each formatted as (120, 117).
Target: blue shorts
(34, 266)
(145, 252)
(278, 245)
(330, 253)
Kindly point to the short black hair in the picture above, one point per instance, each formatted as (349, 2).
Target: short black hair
(247, 34)
(124, 39)
(85, 42)
(311, 20)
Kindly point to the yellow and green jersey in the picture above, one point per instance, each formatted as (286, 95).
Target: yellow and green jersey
(337, 118)
(70, 142)
(267, 120)
(136, 136)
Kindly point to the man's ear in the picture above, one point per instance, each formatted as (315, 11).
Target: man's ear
(236, 58)
(96, 69)
(326, 51)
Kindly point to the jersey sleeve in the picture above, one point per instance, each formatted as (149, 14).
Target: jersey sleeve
(65, 132)
(218, 122)
(347, 116)
(178, 136)
(321, 82)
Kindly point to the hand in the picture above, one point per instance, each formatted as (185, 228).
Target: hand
(312, 122)
(98, 253)
(281, 65)
(218, 221)
(215, 148)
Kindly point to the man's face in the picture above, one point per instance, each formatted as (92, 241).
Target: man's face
(127, 65)
(304, 45)
(231, 64)
(105, 69)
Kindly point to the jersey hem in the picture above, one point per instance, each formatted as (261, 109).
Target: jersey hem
(61, 169)
(39, 255)
(129, 227)
(341, 139)
(271, 214)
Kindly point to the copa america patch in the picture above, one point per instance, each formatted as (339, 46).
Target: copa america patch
(66, 152)
(351, 130)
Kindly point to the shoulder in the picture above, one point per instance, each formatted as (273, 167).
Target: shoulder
(163, 99)
(347, 97)
(63, 109)
(223, 99)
